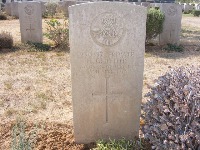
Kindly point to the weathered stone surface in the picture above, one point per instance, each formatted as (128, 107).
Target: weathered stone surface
(145, 4)
(155, 5)
(64, 6)
(43, 7)
(30, 16)
(0, 4)
(137, 3)
(8, 8)
(107, 44)
(81, 2)
(172, 24)
(197, 6)
(14, 9)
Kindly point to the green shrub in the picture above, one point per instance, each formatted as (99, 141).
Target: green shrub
(173, 48)
(154, 25)
(50, 9)
(20, 139)
(3, 16)
(6, 40)
(58, 32)
(38, 46)
(188, 12)
(196, 13)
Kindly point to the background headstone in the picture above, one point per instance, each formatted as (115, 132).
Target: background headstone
(0, 4)
(186, 8)
(172, 24)
(65, 5)
(107, 44)
(43, 7)
(30, 17)
(145, 4)
(8, 8)
(197, 6)
(137, 3)
(81, 2)
(14, 9)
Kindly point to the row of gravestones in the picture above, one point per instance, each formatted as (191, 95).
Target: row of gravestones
(107, 44)
(189, 7)
(30, 16)
(12, 8)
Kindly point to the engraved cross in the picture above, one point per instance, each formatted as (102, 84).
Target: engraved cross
(106, 94)
(30, 29)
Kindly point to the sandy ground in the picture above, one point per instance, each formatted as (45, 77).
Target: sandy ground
(191, 21)
(36, 86)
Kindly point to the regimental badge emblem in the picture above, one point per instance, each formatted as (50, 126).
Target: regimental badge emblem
(29, 9)
(107, 29)
(171, 11)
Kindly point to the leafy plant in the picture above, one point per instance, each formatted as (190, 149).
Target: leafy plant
(196, 13)
(50, 9)
(6, 40)
(174, 48)
(172, 111)
(121, 144)
(3, 16)
(58, 32)
(39, 46)
(154, 25)
(20, 139)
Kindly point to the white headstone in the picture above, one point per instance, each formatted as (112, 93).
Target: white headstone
(197, 6)
(188, 7)
(172, 24)
(145, 4)
(8, 8)
(14, 9)
(64, 6)
(0, 4)
(30, 16)
(107, 44)
(137, 3)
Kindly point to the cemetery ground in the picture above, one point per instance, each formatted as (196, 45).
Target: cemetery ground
(36, 86)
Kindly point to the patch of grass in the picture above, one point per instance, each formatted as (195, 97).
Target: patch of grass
(38, 46)
(187, 15)
(1, 103)
(8, 85)
(42, 96)
(122, 144)
(10, 111)
(146, 55)
(41, 56)
(40, 105)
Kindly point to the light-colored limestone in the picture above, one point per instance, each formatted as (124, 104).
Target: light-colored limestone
(172, 24)
(107, 44)
(145, 4)
(0, 4)
(197, 6)
(64, 6)
(43, 6)
(137, 3)
(14, 9)
(30, 16)
(8, 8)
